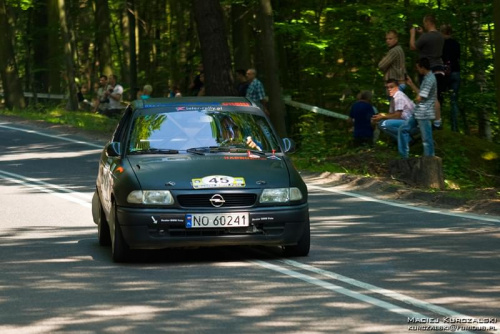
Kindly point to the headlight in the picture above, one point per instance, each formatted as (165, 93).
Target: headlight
(280, 195)
(151, 197)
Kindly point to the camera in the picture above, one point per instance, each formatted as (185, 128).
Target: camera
(106, 100)
(110, 90)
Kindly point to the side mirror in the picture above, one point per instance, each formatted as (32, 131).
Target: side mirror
(113, 149)
(289, 145)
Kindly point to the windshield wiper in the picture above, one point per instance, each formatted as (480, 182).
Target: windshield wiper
(239, 149)
(225, 149)
(156, 151)
(207, 149)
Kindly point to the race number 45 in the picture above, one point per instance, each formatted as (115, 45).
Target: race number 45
(218, 181)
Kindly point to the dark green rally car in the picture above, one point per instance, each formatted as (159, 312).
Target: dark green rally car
(194, 172)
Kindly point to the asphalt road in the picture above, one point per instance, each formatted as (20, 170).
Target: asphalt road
(374, 266)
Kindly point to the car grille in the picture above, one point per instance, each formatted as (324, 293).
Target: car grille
(203, 200)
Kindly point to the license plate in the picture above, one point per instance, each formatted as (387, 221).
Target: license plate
(211, 220)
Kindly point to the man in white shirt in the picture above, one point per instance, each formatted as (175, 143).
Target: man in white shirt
(400, 110)
(114, 94)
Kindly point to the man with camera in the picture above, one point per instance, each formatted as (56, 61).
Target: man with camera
(430, 46)
(114, 95)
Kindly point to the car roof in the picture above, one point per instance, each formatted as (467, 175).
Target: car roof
(194, 101)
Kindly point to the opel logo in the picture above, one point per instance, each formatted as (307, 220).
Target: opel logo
(217, 200)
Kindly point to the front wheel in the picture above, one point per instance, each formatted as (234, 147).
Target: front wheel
(303, 245)
(119, 248)
(103, 233)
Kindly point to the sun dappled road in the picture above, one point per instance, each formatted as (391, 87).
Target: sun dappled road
(374, 267)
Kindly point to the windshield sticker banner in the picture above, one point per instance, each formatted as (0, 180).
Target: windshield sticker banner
(218, 181)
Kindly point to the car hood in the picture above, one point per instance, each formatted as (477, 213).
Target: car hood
(181, 171)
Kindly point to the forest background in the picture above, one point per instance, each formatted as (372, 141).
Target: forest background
(319, 52)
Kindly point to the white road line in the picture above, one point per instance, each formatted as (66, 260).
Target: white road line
(335, 288)
(387, 293)
(406, 206)
(61, 137)
(47, 188)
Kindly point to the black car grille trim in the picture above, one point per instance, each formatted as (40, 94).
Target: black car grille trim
(203, 200)
(178, 230)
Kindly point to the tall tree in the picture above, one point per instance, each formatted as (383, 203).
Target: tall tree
(276, 104)
(40, 39)
(132, 14)
(214, 48)
(477, 44)
(123, 46)
(55, 49)
(103, 36)
(241, 33)
(68, 57)
(13, 90)
(496, 19)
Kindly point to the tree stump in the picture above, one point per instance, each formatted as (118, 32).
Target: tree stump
(425, 172)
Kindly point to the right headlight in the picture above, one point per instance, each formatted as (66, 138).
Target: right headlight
(151, 197)
(280, 195)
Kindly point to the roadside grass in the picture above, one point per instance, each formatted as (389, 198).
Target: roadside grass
(471, 165)
(77, 119)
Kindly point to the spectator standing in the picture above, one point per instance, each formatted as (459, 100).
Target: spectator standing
(360, 115)
(102, 101)
(255, 90)
(393, 63)
(400, 110)
(146, 92)
(114, 94)
(430, 46)
(196, 84)
(423, 114)
(201, 92)
(242, 85)
(451, 60)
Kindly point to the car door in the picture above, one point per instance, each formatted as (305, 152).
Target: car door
(111, 158)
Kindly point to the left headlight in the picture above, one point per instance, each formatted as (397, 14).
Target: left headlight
(151, 197)
(280, 195)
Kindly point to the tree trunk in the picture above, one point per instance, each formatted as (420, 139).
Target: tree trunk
(241, 32)
(13, 90)
(103, 37)
(178, 39)
(214, 48)
(124, 55)
(425, 172)
(496, 18)
(477, 53)
(68, 57)
(40, 38)
(276, 105)
(133, 55)
(54, 48)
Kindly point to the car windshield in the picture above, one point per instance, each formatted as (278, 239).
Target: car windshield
(201, 132)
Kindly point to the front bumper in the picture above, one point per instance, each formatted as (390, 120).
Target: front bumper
(157, 228)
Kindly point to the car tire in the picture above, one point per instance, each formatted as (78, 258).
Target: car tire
(103, 232)
(303, 245)
(119, 249)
